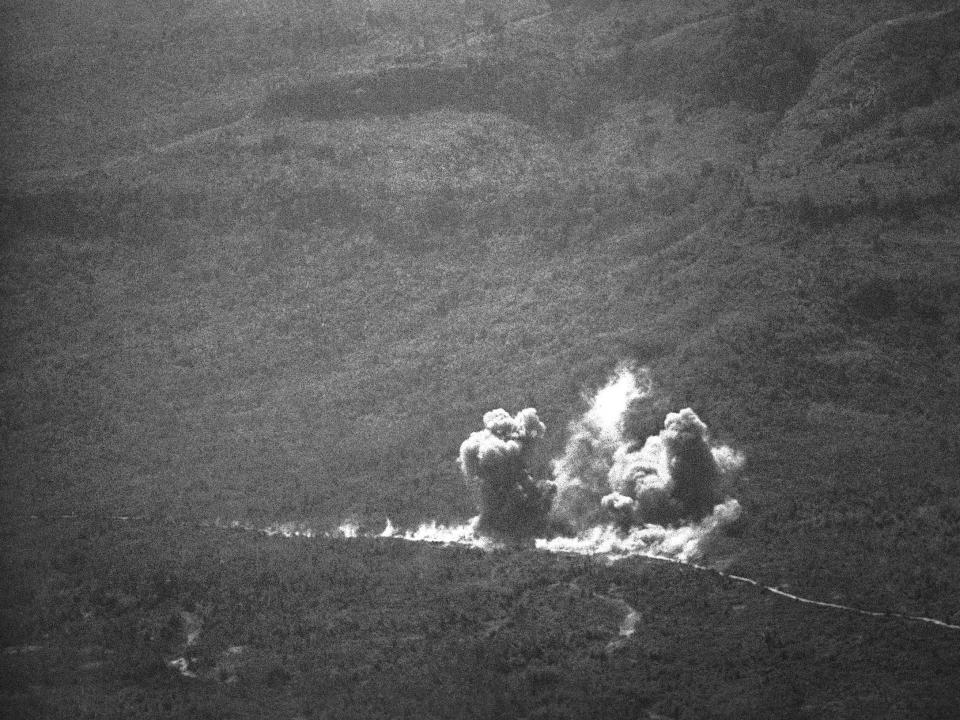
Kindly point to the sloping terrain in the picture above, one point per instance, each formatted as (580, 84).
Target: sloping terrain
(875, 132)
(274, 262)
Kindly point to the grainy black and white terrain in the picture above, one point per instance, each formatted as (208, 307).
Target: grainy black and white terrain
(268, 264)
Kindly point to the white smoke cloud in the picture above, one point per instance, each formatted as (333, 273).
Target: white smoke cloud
(614, 542)
(463, 534)
(581, 473)
(611, 403)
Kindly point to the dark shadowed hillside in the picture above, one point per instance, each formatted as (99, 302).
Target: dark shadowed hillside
(273, 262)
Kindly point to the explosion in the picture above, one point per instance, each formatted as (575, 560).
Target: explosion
(626, 484)
(613, 491)
(673, 477)
(513, 506)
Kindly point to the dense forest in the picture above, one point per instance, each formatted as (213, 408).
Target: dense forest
(272, 262)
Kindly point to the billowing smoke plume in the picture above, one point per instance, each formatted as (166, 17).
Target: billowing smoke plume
(607, 474)
(513, 506)
(673, 477)
(622, 486)
(581, 472)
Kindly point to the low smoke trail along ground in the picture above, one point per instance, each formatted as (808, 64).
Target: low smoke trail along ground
(609, 478)
(307, 533)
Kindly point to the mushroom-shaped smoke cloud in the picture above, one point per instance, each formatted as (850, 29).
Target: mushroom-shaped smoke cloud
(513, 506)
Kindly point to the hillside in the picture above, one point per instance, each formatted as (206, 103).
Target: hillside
(273, 262)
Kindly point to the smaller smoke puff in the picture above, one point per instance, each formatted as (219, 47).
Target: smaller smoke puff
(513, 506)
(693, 473)
(674, 477)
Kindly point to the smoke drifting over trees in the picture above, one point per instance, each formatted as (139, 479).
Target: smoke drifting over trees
(607, 475)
